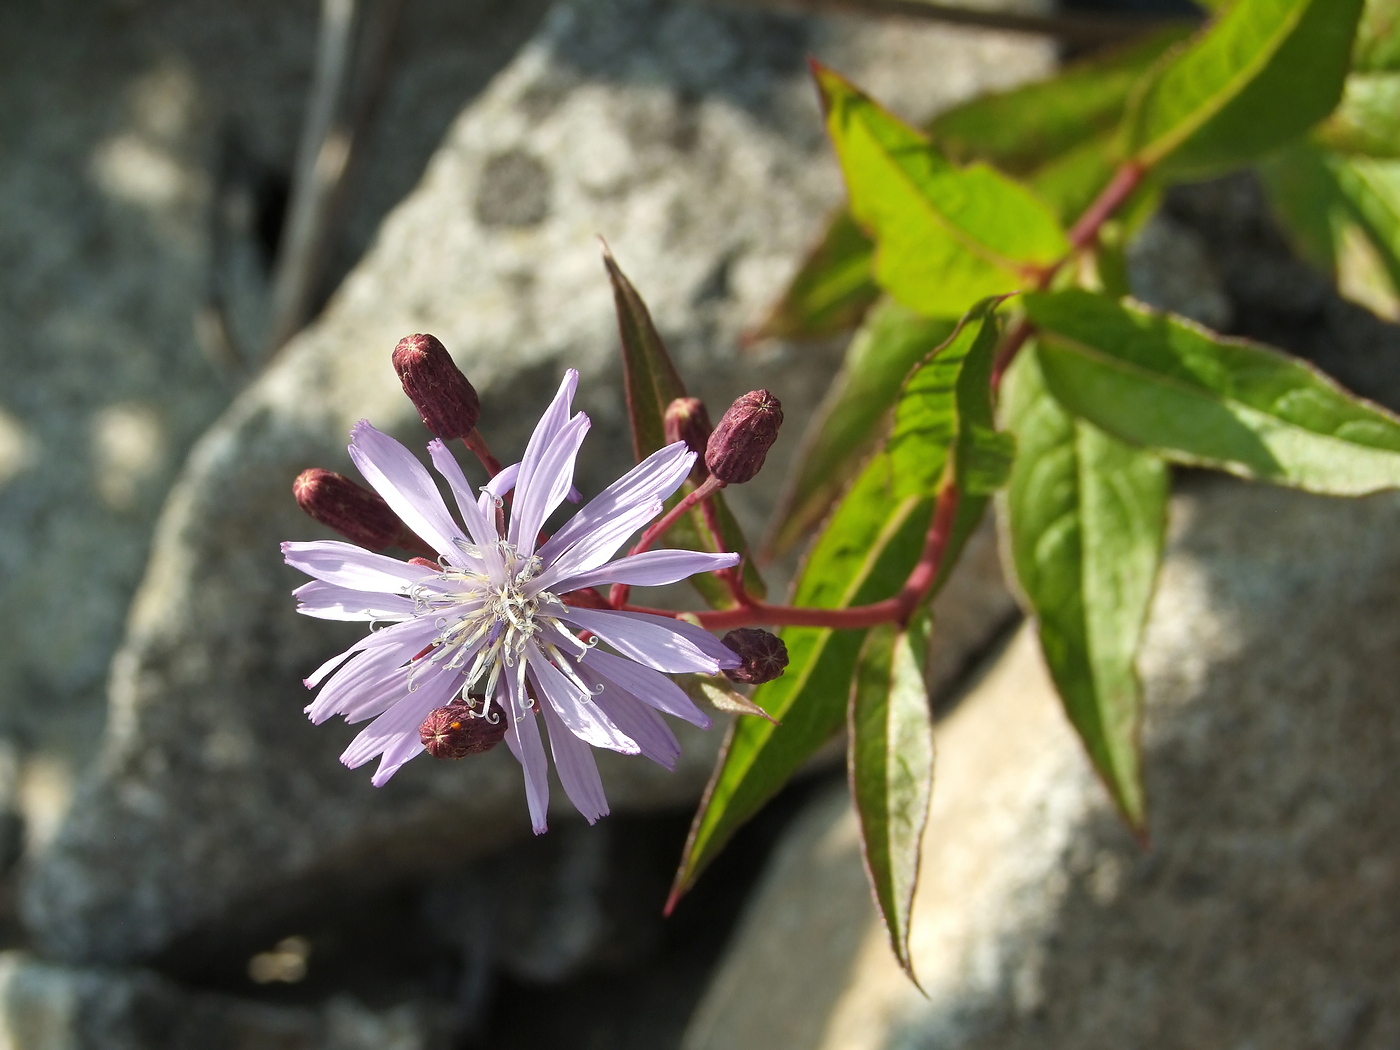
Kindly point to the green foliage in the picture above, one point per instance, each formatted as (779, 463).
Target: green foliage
(832, 290)
(891, 768)
(945, 236)
(1166, 384)
(1085, 516)
(856, 410)
(1265, 72)
(1378, 37)
(1368, 119)
(652, 383)
(863, 555)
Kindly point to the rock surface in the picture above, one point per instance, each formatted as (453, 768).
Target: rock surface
(690, 137)
(144, 154)
(1266, 912)
(48, 1007)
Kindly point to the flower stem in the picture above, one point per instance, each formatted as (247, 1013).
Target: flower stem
(477, 444)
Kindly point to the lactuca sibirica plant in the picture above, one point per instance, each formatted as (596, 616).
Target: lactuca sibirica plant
(997, 355)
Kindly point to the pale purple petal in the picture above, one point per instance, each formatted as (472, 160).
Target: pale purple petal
(407, 487)
(657, 641)
(649, 569)
(502, 482)
(651, 687)
(650, 481)
(373, 664)
(578, 773)
(602, 543)
(634, 718)
(543, 483)
(326, 601)
(555, 418)
(481, 526)
(433, 689)
(577, 710)
(523, 739)
(349, 566)
(372, 702)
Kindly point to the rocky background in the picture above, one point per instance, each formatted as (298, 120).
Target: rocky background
(187, 865)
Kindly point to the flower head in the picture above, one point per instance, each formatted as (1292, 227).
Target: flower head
(489, 625)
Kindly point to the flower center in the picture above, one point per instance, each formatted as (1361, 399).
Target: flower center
(489, 616)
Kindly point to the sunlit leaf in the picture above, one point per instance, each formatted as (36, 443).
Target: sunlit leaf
(945, 236)
(1378, 37)
(1264, 72)
(1086, 514)
(719, 694)
(1368, 119)
(890, 729)
(1167, 384)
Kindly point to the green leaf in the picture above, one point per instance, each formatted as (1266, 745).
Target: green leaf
(1378, 37)
(652, 383)
(1368, 119)
(890, 729)
(1372, 192)
(945, 236)
(1302, 187)
(864, 554)
(1021, 130)
(1086, 515)
(850, 421)
(1263, 73)
(1167, 384)
(832, 290)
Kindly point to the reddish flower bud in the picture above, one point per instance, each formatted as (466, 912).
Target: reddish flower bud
(686, 420)
(740, 443)
(446, 401)
(765, 656)
(355, 512)
(456, 731)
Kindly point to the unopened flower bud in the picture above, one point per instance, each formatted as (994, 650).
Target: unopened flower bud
(686, 420)
(355, 512)
(445, 399)
(765, 656)
(456, 731)
(740, 443)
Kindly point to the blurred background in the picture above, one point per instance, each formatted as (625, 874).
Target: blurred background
(216, 219)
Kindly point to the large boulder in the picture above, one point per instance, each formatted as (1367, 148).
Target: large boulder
(1264, 913)
(690, 137)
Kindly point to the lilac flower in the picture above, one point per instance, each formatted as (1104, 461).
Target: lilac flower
(488, 623)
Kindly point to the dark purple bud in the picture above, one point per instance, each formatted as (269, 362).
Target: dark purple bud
(456, 731)
(740, 443)
(355, 512)
(446, 401)
(765, 656)
(687, 420)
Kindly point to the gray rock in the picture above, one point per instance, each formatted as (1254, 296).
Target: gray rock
(48, 1007)
(690, 137)
(1265, 912)
(142, 145)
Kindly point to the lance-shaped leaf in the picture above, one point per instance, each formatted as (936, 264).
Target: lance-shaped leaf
(1301, 183)
(832, 290)
(1368, 120)
(1262, 74)
(890, 763)
(652, 383)
(945, 236)
(1021, 132)
(854, 416)
(1168, 384)
(864, 554)
(1086, 514)
(1371, 189)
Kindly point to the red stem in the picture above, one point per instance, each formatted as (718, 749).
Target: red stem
(617, 597)
(477, 444)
